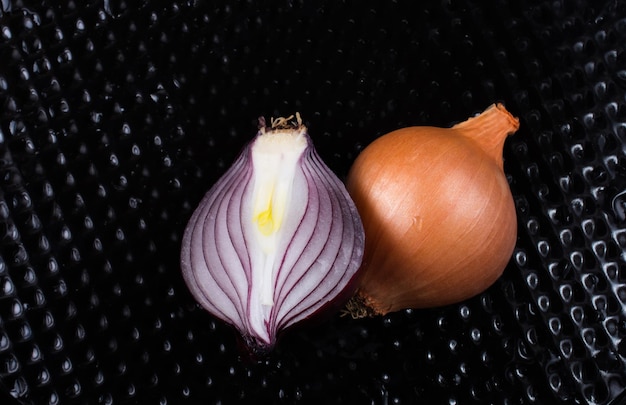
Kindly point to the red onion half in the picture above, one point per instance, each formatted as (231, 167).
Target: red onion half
(275, 240)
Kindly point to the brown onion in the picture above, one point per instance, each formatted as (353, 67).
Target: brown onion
(439, 218)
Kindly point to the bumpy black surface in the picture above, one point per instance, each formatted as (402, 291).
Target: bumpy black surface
(116, 117)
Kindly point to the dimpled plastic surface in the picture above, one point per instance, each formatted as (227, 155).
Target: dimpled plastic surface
(115, 118)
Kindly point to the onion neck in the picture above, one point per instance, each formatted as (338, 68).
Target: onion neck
(489, 130)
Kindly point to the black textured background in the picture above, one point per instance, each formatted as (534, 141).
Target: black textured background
(116, 117)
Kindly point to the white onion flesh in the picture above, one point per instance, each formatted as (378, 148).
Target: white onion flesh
(275, 240)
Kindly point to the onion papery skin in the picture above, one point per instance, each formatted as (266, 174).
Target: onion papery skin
(439, 217)
(262, 259)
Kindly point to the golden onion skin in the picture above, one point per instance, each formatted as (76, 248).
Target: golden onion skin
(438, 214)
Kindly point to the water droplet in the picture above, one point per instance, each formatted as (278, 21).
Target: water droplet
(43, 377)
(520, 258)
(58, 34)
(577, 151)
(619, 205)
(113, 160)
(543, 302)
(121, 184)
(578, 206)
(126, 129)
(565, 182)
(588, 226)
(65, 56)
(20, 256)
(114, 8)
(35, 354)
(543, 247)
(39, 298)
(7, 287)
(577, 260)
(566, 237)
(533, 226)
(66, 365)
(475, 335)
(523, 351)
(134, 202)
(96, 117)
(60, 288)
(589, 336)
(453, 345)
(6, 5)
(532, 280)
(97, 245)
(44, 244)
(26, 332)
(577, 314)
(119, 234)
(66, 234)
(16, 128)
(465, 312)
(6, 32)
(5, 343)
(555, 325)
(590, 281)
(430, 356)
(566, 292)
(64, 107)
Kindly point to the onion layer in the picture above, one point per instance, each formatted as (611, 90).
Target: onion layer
(275, 240)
